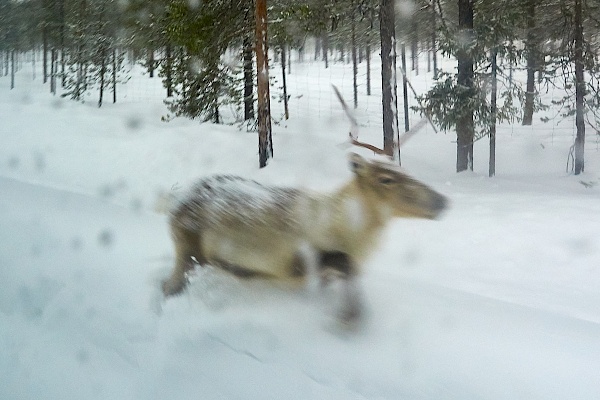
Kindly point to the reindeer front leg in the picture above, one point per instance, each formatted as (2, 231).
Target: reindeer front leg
(344, 266)
(187, 250)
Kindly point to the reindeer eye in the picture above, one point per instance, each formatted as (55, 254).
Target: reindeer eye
(386, 180)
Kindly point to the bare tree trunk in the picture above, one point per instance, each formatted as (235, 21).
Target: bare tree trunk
(434, 41)
(169, 69)
(265, 142)
(388, 79)
(248, 79)
(102, 73)
(63, 79)
(53, 67)
(414, 48)
(325, 47)
(354, 63)
(368, 59)
(404, 87)
(494, 95)
(12, 69)
(465, 129)
(45, 52)
(285, 96)
(114, 75)
(579, 90)
(151, 62)
(531, 46)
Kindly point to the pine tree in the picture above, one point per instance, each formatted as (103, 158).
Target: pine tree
(460, 100)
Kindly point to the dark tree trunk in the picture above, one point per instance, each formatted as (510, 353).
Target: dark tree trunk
(368, 49)
(368, 59)
(465, 129)
(531, 46)
(62, 42)
(151, 62)
(354, 62)
(434, 41)
(404, 88)
(114, 75)
(388, 78)
(579, 89)
(265, 141)
(494, 95)
(428, 58)
(317, 48)
(169, 69)
(53, 66)
(45, 52)
(285, 96)
(12, 69)
(248, 79)
(325, 47)
(102, 73)
(414, 48)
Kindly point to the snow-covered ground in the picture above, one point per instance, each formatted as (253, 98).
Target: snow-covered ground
(499, 299)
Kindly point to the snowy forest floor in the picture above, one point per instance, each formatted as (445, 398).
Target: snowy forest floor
(499, 299)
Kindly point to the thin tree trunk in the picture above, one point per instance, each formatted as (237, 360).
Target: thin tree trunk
(465, 129)
(151, 62)
(45, 52)
(248, 79)
(102, 73)
(388, 79)
(33, 54)
(354, 62)
(317, 48)
(531, 46)
(414, 48)
(63, 79)
(579, 89)
(12, 69)
(325, 47)
(53, 67)
(265, 142)
(114, 75)
(494, 95)
(434, 41)
(169, 69)
(428, 58)
(368, 59)
(404, 87)
(285, 96)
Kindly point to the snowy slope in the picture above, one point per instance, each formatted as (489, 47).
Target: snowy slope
(497, 300)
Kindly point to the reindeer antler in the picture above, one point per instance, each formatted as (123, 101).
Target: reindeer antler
(353, 133)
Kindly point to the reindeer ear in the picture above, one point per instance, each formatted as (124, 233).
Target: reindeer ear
(357, 164)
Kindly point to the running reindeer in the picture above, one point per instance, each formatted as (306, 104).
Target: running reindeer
(257, 231)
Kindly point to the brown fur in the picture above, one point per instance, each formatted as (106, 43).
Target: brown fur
(253, 230)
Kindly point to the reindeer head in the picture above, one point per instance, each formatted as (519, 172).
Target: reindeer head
(386, 186)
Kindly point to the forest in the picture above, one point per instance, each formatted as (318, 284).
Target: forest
(84, 44)
(111, 110)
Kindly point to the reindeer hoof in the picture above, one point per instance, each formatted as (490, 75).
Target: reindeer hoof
(172, 287)
(351, 314)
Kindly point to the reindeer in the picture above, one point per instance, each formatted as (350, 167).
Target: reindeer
(257, 231)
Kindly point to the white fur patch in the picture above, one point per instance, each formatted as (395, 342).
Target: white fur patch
(354, 213)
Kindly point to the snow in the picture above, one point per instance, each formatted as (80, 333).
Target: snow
(498, 299)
